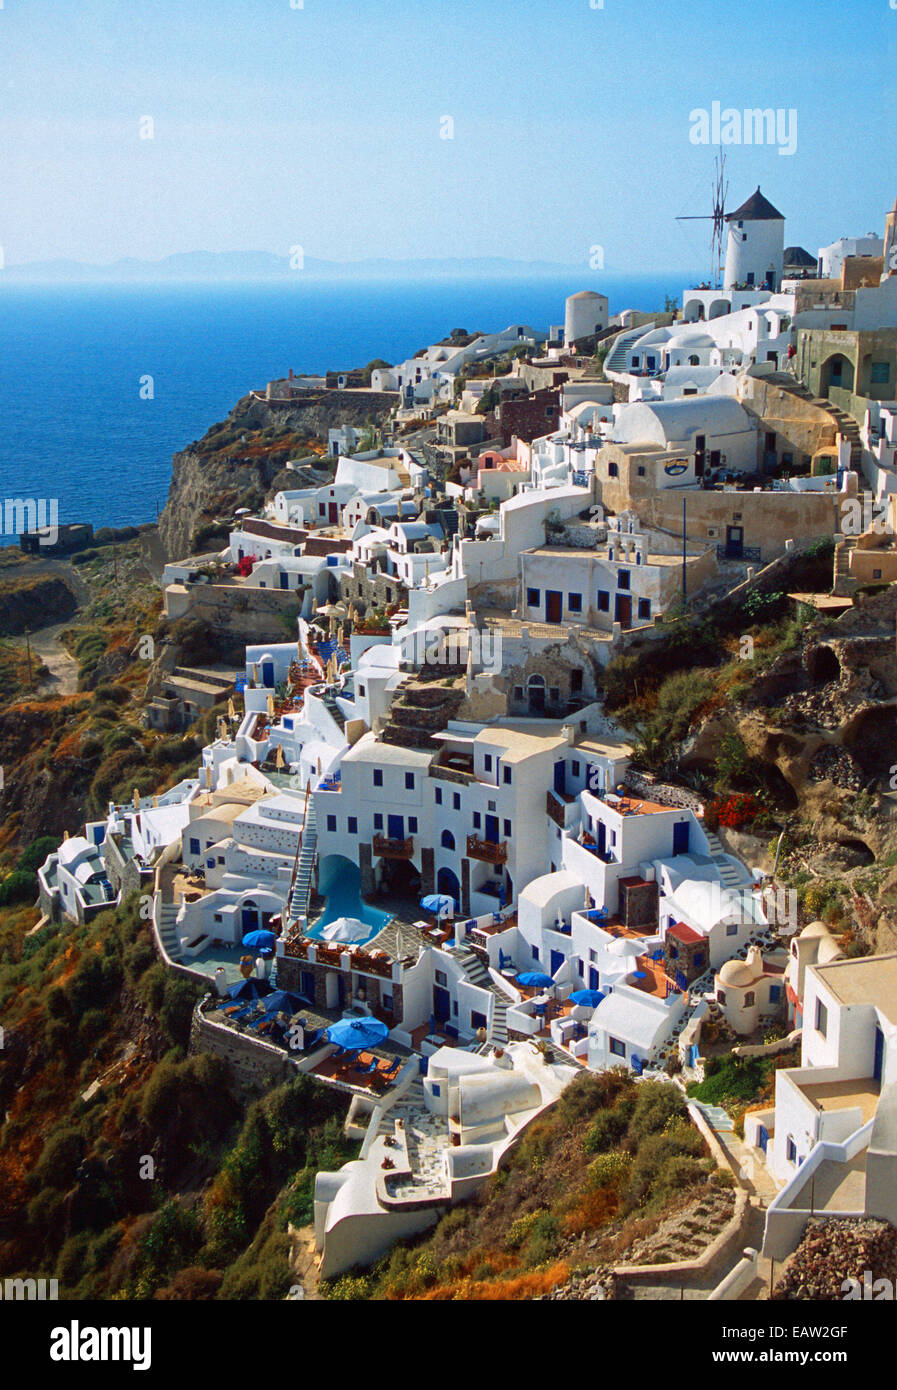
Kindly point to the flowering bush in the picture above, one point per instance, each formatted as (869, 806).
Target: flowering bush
(731, 811)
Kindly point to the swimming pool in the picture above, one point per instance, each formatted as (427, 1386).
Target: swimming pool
(339, 882)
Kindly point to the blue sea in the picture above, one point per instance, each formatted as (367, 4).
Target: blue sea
(73, 357)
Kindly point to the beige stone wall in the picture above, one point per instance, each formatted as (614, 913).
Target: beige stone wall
(800, 427)
(768, 518)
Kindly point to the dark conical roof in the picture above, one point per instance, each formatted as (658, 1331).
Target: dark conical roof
(756, 209)
(796, 255)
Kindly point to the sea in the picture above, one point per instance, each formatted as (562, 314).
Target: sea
(101, 383)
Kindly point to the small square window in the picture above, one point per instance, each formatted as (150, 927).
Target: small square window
(456, 801)
(535, 950)
(436, 1088)
(603, 601)
(441, 978)
(331, 823)
(532, 598)
(613, 471)
(409, 781)
(476, 820)
(574, 603)
(623, 579)
(506, 828)
(644, 608)
(791, 1150)
(353, 825)
(378, 777)
(821, 1018)
(438, 796)
(487, 762)
(506, 776)
(412, 825)
(641, 471)
(617, 1048)
(731, 929)
(378, 821)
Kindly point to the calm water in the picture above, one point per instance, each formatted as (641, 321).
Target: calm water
(74, 426)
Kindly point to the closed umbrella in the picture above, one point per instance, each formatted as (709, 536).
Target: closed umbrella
(262, 940)
(356, 1033)
(589, 998)
(282, 1002)
(534, 979)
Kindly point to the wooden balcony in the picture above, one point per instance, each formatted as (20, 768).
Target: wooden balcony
(486, 850)
(385, 848)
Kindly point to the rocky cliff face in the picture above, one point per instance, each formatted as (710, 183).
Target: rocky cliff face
(34, 602)
(236, 462)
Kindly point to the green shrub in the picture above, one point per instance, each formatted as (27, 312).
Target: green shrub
(60, 1158)
(606, 1130)
(18, 887)
(657, 1102)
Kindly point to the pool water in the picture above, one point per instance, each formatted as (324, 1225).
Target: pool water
(340, 885)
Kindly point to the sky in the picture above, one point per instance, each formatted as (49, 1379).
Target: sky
(321, 124)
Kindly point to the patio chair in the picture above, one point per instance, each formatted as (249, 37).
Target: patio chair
(371, 1067)
(504, 962)
(394, 1067)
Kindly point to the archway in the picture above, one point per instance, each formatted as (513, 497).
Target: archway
(719, 308)
(823, 666)
(447, 882)
(837, 371)
(536, 694)
(447, 840)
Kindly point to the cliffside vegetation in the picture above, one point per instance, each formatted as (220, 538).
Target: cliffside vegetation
(129, 1169)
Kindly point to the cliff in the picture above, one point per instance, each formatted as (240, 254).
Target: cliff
(33, 602)
(237, 460)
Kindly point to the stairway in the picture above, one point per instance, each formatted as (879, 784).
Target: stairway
(299, 893)
(616, 358)
(168, 934)
(727, 871)
(478, 975)
(844, 583)
(330, 703)
(844, 423)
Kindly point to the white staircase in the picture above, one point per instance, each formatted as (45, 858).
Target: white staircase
(477, 974)
(299, 894)
(168, 934)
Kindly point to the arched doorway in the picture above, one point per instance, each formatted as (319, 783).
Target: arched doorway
(447, 882)
(837, 371)
(536, 694)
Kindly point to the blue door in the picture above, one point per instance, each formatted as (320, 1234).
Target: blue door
(250, 919)
(557, 960)
(442, 1004)
(268, 674)
(763, 1137)
(680, 837)
(395, 826)
(492, 829)
(307, 985)
(593, 977)
(284, 581)
(879, 1054)
(560, 778)
(601, 837)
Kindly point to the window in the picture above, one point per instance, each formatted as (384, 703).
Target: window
(574, 603)
(412, 825)
(641, 471)
(437, 1090)
(378, 777)
(532, 598)
(518, 692)
(352, 825)
(456, 801)
(731, 929)
(448, 840)
(623, 579)
(750, 999)
(194, 846)
(721, 996)
(438, 796)
(603, 601)
(644, 608)
(441, 977)
(221, 859)
(613, 471)
(617, 1048)
(477, 1020)
(791, 1150)
(361, 690)
(574, 768)
(506, 827)
(506, 776)
(331, 823)
(821, 1018)
(535, 950)
(378, 821)
(876, 574)
(576, 679)
(409, 781)
(476, 820)
(487, 762)
(775, 993)
(386, 1001)
(880, 373)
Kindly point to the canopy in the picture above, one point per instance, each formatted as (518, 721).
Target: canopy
(252, 988)
(534, 979)
(263, 939)
(346, 929)
(591, 998)
(357, 1033)
(440, 903)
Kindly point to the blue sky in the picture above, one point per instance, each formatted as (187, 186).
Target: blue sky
(320, 126)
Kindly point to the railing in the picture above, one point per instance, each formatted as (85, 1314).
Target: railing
(393, 849)
(487, 850)
(734, 552)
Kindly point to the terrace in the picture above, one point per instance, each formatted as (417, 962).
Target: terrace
(487, 851)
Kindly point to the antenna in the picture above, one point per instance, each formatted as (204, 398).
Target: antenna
(717, 216)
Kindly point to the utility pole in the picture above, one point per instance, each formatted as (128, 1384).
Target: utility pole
(28, 650)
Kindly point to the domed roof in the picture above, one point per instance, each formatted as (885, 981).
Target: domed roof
(816, 928)
(828, 950)
(736, 973)
(585, 294)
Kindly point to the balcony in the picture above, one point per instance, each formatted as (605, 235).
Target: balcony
(385, 848)
(487, 851)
